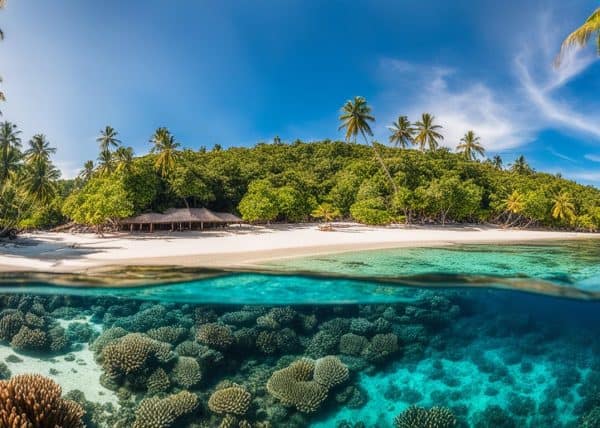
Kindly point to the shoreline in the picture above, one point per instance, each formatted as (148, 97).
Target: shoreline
(241, 247)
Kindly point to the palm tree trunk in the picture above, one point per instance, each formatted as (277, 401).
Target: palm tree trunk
(380, 159)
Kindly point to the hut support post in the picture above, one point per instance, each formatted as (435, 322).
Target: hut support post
(201, 225)
(172, 227)
(190, 225)
(131, 227)
(151, 227)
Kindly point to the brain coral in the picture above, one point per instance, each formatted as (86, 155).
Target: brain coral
(216, 335)
(330, 371)
(233, 400)
(418, 417)
(186, 372)
(28, 401)
(163, 412)
(294, 386)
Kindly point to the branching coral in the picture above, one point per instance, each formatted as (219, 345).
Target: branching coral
(381, 347)
(158, 382)
(233, 400)
(10, 324)
(186, 372)
(28, 401)
(28, 339)
(353, 344)
(215, 335)
(418, 417)
(168, 334)
(164, 412)
(330, 371)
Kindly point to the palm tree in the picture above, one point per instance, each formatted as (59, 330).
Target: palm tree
(105, 162)
(124, 158)
(427, 134)
(514, 204)
(402, 132)
(40, 180)
(10, 155)
(39, 149)
(582, 35)
(326, 212)
(520, 166)
(165, 146)
(563, 208)
(470, 146)
(88, 170)
(108, 138)
(355, 118)
(497, 161)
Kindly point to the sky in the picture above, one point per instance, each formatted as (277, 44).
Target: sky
(237, 72)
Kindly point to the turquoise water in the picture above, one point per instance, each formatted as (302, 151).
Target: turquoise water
(499, 336)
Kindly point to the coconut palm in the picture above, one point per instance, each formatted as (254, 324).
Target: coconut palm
(124, 158)
(165, 146)
(497, 161)
(563, 208)
(108, 138)
(582, 35)
(402, 132)
(105, 162)
(40, 180)
(514, 204)
(355, 118)
(427, 132)
(39, 149)
(520, 166)
(326, 211)
(88, 170)
(10, 155)
(470, 146)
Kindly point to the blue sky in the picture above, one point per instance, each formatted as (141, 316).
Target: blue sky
(238, 72)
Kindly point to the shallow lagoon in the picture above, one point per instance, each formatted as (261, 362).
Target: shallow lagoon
(494, 358)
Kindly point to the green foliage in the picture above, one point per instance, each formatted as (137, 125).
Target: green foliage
(101, 200)
(260, 203)
(371, 211)
(326, 212)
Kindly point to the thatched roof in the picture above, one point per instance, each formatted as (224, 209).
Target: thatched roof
(229, 218)
(180, 215)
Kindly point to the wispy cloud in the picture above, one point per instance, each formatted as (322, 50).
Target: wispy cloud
(592, 157)
(561, 155)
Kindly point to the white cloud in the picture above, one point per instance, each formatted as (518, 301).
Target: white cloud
(592, 157)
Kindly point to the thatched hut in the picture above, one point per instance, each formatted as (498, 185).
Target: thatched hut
(179, 218)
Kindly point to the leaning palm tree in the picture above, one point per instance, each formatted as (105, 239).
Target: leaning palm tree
(355, 118)
(88, 170)
(39, 182)
(165, 146)
(563, 208)
(124, 158)
(108, 138)
(470, 147)
(427, 133)
(513, 204)
(105, 162)
(581, 35)
(10, 154)
(402, 132)
(39, 149)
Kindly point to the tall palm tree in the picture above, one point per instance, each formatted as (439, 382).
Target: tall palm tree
(40, 180)
(108, 138)
(105, 162)
(124, 159)
(520, 166)
(402, 132)
(563, 208)
(88, 170)
(470, 146)
(582, 35)
(497, 161)
(39, 149)
(10, 154)
(514, 204)
(165, 146)
(355, 118)
(427, 132)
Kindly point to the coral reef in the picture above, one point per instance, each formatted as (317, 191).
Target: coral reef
(35, 401)
(234, 400)
(186, 372)
(418, 417)
(215, 335)
(164, 412)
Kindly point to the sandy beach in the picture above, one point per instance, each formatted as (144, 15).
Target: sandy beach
(242, 246)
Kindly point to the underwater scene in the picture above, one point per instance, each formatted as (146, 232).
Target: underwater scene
(463, 336)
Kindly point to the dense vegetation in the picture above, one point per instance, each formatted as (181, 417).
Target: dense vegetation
(286, 182)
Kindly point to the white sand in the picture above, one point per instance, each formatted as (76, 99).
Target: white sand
(239, 246)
